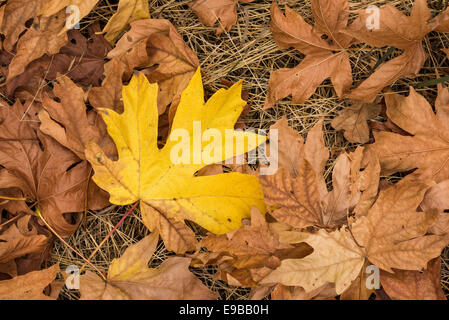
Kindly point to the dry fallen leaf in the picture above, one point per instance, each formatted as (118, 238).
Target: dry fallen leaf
(65, 119)
(391, 235)
(397, 30)
(41, 38)
(169, 193)
(44, 171)
(15, 243)
(248, 254)
(127, 12)
(425, 149)
(211, 11)
(353, 120)
(414, 285)
(156, 45)
(29, 286)
(324, 46)
(303, 200)
(13, 16)
(80, 59)
(129, 278)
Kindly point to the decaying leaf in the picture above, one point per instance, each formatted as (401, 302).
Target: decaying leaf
(324, 46)
(29, 286)
(169, 193)
(223, 11)
(129, 278)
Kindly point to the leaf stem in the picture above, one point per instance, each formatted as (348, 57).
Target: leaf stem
(109, 234)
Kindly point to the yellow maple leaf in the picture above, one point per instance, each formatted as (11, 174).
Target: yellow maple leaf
(168, 190)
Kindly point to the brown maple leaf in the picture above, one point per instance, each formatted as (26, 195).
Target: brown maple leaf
(223, 11)
(303, 200)
(353, 120)
(414, 285)
(395, 30)
(44, 171)
(29, 286)
(67, 121)
(426, 148)
(324, 46)
(13, 16)
(247, 255)
(392, 235)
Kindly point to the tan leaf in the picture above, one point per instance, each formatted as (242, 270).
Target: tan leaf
(336, 258)
(353, 121)
(69, 124)
(13, 16)
(428, 147)
(394, 234)
(325, 292)
(297, 201)
(324, 58)
(29, 286)
(15, 244)
(211, 11)
(414, 285)
(127, 12)
(290, 146)
(41, 38)
(398, 30)
(173, 62)
(437, 197)
(129, 278)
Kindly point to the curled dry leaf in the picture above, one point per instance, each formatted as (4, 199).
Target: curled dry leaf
(127, 12)
(324, 46)
(169, 193)
(211, 11)
(303, 200)
(29, 286)
(129, 278)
